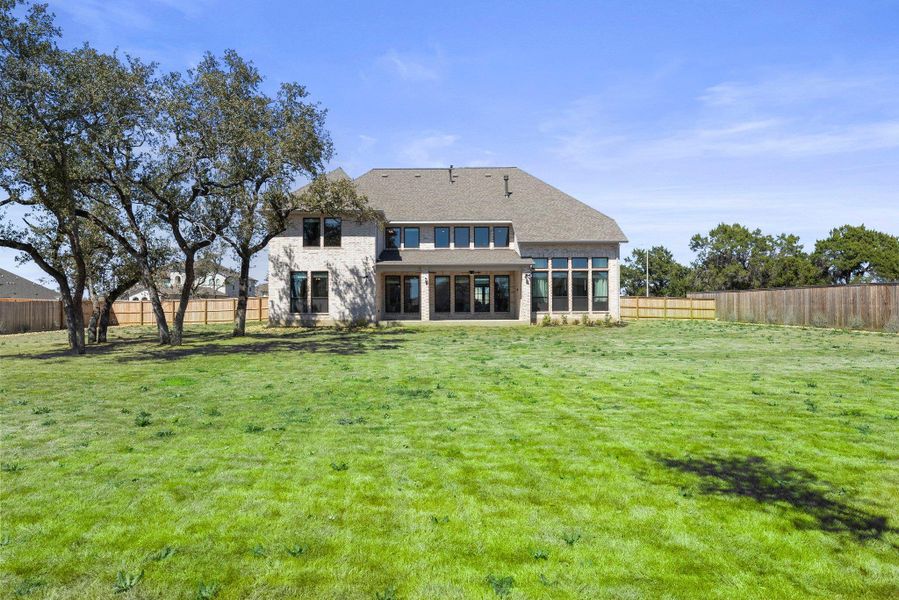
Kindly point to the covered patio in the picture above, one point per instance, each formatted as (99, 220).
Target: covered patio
(453, 285)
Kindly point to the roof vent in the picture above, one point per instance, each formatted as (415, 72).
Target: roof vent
(506, 183)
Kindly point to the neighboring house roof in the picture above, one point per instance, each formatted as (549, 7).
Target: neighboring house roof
(538, 211)
(453, 258)
(14, 286)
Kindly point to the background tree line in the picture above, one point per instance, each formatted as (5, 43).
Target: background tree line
(733, 257)
(121, 169)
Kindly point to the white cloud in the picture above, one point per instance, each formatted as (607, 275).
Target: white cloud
(783, 117)
(428, 151)
(104, 15)
(412, 67)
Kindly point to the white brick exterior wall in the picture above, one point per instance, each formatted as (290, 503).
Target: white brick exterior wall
(351, 273)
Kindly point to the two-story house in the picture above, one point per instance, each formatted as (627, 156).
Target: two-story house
(456, 244)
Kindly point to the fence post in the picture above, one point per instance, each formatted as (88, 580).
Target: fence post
(638, 308)
(206, 311)
(691, 309)
(141, 312)
(665, 307)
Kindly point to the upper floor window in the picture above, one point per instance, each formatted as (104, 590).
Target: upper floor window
(540, 263)
(500, 237)
(600, 263)
(461, 237)
(392, 237)
(312, 231)
(441, 237)
(481, 237)
(560, 263)
(410, 237)
(578, 263)
(332, 232)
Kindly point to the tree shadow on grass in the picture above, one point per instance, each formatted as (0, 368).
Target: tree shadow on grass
(754, 477)
(214, 343)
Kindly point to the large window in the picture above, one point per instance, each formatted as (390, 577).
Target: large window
(579, 289)
(393, 294)
(560, 263)
(299, 292)
(540, 263)
(500, 237)
(442, 293)
(600, 290)
(482, 293)
(539, 292)
(410, 237)
(460, 237)
(481, 237)
(463, 293)
(392, 237)
(500, 293)
(441, 237)
(600, 263)
(332, 232)
(578, 263)
(560, 291)
(312, 231)
(319, 292)
(411, 294)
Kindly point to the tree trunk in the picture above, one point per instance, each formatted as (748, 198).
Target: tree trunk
(108, 302)
(243, 291)
(74, 323)
(162, 325)
(93, 323)
(189, 276)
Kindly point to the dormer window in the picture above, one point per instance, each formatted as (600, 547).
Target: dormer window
(500, 237)
(392, 238)
(481, 237)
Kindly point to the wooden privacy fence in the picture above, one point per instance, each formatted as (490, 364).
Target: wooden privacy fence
(866, 306)
(638, 307)
(17, 316)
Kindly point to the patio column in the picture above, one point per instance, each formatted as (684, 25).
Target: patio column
(425, 300)
(524, 299)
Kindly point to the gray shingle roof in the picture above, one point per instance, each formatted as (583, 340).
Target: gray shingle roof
(452, 258)
(14, 286)
(538, 211)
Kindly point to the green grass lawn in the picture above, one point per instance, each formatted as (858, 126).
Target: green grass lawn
(675, 460)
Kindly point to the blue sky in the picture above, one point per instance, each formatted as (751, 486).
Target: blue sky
(669, 116)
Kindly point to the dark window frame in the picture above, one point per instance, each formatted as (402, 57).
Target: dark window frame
(466, 298)
(599, 303)
(317, 221)
(485, 234)
(438, 304)
(328, 234)
(507, 241)
(417, 231)
(411, 305)
(299, 304)
(580, 302)
(482, 284)
(437, 237)
(389, 280)
(388, 237)
(456, 231)
(506, 305)
(319, 304)
(539, 303)
(558, 297)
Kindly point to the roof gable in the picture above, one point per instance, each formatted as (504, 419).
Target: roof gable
(15, 286)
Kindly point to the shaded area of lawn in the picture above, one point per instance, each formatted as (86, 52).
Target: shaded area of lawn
(757, 478)
(683, 459)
